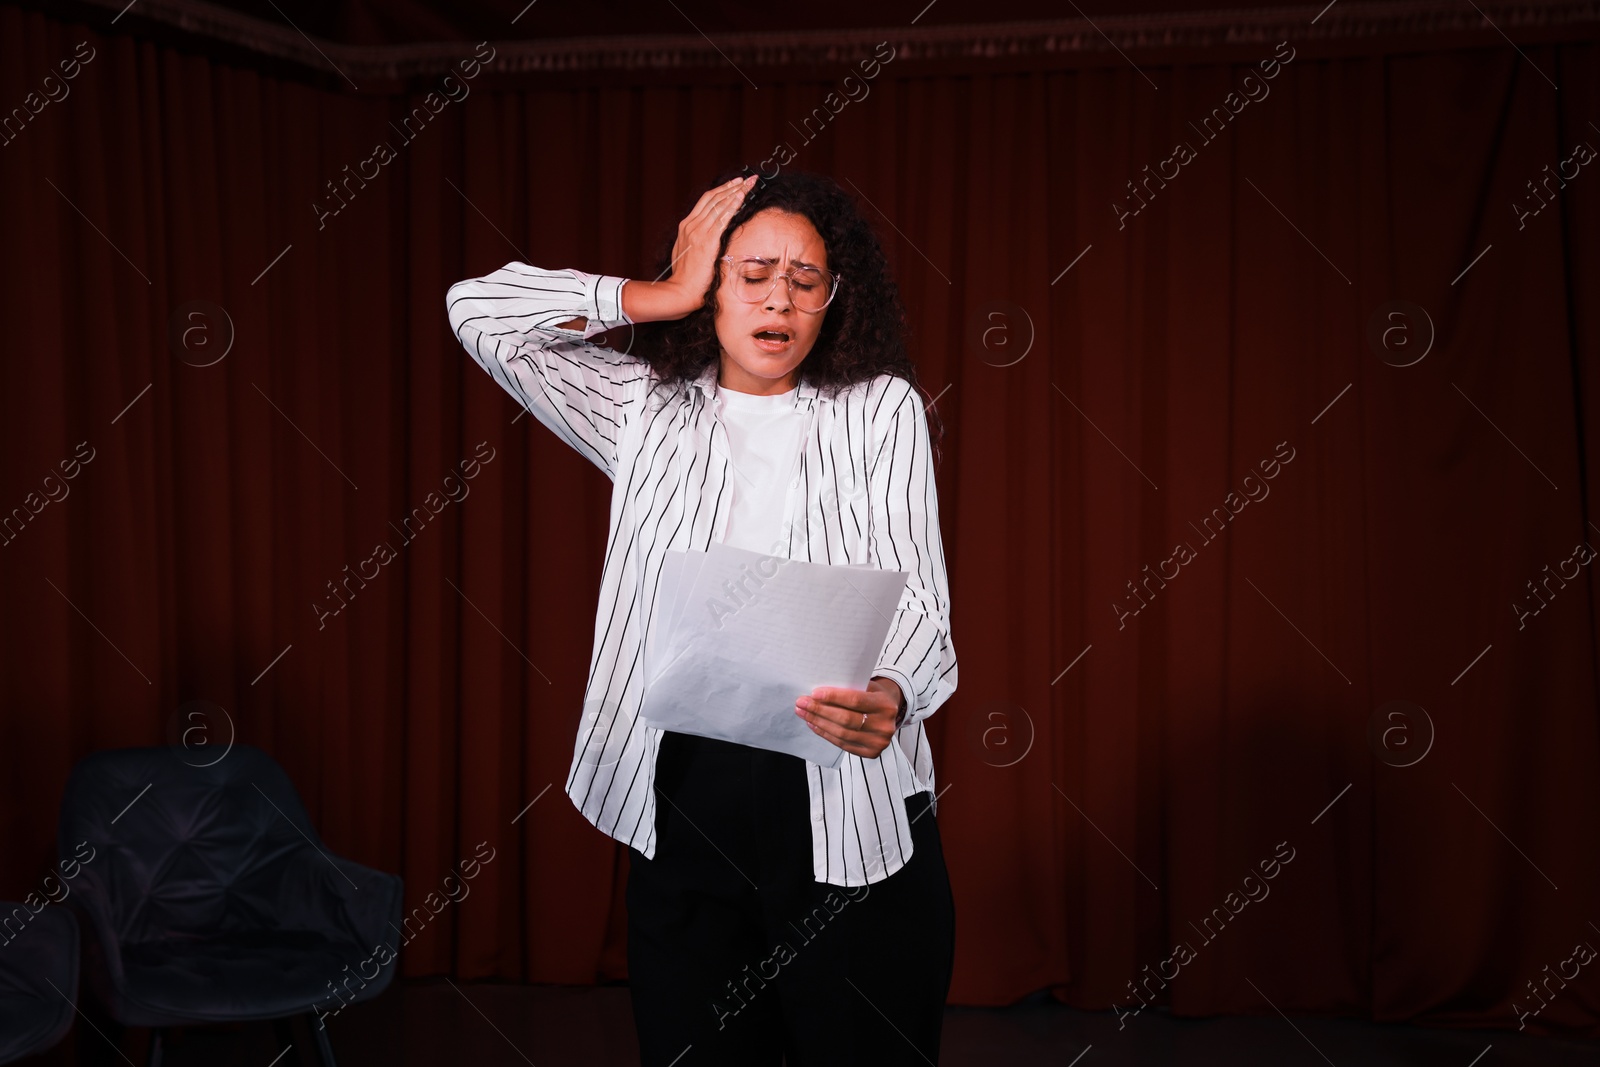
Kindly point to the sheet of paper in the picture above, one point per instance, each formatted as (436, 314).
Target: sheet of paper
(736, 636)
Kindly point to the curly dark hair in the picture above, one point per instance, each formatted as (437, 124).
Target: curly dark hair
(863, 331)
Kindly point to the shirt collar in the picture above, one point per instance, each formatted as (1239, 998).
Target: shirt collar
(707, 383)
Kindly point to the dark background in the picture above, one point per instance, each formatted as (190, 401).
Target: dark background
(1104, 387)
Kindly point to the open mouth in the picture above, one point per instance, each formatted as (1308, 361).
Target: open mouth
(772, 340)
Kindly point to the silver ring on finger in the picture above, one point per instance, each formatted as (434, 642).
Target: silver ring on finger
(863, 725)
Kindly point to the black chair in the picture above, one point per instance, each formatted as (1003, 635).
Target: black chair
(38, 977)
(211, 899)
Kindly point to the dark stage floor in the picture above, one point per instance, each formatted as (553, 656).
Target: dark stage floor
(442, 1022)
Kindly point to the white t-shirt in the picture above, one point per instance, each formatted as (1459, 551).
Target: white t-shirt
(764, 439)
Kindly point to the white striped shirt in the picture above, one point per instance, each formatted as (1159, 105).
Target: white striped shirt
(863, 493)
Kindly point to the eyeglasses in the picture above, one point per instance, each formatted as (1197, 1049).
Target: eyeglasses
(753, 279)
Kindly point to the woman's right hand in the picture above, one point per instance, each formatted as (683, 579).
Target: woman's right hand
(694, 257)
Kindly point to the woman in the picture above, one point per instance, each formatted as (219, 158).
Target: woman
(776, 908)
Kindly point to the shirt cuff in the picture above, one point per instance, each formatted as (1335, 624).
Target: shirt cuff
(608, 301)
(910, 694)
(601, 305)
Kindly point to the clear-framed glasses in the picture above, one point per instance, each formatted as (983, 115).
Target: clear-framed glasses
(752, 279)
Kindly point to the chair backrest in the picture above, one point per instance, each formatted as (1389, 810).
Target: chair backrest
(178, 850)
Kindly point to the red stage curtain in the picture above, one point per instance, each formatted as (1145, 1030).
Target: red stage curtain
(1222, 328)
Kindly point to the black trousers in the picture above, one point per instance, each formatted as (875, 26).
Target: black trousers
(737, 955)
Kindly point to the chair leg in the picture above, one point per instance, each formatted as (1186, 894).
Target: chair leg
(157, 1042)
(324, 1046)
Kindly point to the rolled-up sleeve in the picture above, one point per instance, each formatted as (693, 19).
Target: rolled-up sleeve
(508, 321)
(904, 519)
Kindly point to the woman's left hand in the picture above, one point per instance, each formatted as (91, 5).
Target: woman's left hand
(836, 715)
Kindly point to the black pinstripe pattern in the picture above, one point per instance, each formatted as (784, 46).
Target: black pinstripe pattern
(666, 453)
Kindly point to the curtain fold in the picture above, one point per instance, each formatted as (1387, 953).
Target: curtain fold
(1203, 532)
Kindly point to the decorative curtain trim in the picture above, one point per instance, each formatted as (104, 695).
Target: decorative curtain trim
(1342, 21)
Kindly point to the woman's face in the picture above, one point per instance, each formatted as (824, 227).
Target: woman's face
(757, 365)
